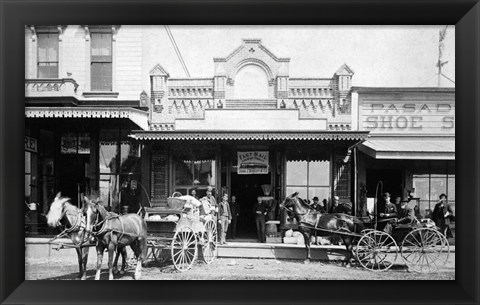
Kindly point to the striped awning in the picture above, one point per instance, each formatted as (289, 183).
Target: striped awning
(249, 136)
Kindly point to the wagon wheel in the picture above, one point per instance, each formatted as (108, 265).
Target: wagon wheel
(184, 248)
(423, 250)
(209, 247)
(376, 251)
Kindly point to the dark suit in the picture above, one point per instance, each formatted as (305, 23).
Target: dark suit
(235, 209)
(406, 215)
(260, 210)
(441, 221)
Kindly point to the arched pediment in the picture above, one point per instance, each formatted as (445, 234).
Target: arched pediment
(251, 52)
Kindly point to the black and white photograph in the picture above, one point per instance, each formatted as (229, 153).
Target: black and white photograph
(240, 152)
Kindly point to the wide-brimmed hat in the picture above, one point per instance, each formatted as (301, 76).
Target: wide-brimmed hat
(386, 195)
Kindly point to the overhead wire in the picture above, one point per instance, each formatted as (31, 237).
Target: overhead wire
(177, 50)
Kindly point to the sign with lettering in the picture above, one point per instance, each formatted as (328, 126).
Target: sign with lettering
(408, 117)
(30, 144)
(252, 162)
(68, 144)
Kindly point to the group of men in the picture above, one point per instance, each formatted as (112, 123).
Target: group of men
(226, 214)
(404, 213)
(336, 207)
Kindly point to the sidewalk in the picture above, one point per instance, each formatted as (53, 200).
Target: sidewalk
(39, 248)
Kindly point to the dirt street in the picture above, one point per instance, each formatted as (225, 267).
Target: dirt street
(238, 269)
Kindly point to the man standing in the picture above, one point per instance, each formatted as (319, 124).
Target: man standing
(260, 209)
(442, 213)
(224, 219)
(235, 209)
(211, 200)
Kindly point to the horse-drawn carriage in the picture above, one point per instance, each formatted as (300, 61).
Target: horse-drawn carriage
(422, 246)
(181, 231)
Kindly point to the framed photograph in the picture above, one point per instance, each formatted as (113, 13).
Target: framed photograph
(109, 112)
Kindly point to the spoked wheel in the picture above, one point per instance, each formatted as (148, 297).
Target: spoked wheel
(376, 251)
(184, 248)
(425, 250)
(209, 247)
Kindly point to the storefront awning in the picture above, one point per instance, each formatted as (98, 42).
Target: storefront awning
(258, 135)
(137, 116)
(410, 148)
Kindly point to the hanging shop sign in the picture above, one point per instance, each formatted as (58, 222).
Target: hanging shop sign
(30, 144)
(252, 162)
(84, 144)
(68, 144)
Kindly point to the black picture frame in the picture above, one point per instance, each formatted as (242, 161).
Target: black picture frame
(14, 14)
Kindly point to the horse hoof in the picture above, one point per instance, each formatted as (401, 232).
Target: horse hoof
(307, 261)
(83, 278)
(110, 277)
(137, 276)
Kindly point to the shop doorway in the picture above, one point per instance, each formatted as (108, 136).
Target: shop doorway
(71, 176)
(392, 183)
(246, 188)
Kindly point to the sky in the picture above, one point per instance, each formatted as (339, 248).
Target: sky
(380, 56)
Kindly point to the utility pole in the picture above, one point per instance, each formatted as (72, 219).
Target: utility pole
(441, 46)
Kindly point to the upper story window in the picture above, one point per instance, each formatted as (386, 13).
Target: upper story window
(47, 55)
(101, 62)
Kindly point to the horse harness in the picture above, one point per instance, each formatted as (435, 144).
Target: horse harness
(77, 225)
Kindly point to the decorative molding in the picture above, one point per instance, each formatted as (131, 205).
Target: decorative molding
(137, 116)
(104, 94)
(158, 70)
(193, 136)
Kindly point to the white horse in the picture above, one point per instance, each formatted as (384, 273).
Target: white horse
(63, 213)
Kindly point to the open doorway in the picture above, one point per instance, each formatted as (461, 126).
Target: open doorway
(246, 188)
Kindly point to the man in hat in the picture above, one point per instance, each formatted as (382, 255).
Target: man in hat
(442, 214)
(389, 212)
(320, 207)
(211, 200)
(406, 214)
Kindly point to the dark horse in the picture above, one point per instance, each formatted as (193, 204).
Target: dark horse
(309, 219)
(63, 213)
(114, 231)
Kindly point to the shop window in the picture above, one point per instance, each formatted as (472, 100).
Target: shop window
(309, 179)
(119, 162)
(194, 170)
(430, 181)
(47, 55)
(101, 62)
